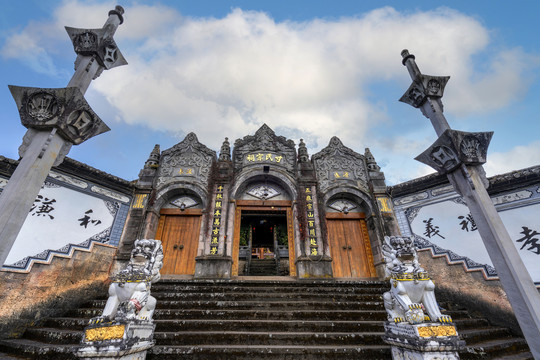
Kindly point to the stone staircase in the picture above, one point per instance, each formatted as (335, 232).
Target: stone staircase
(263, 267)
(267, 319)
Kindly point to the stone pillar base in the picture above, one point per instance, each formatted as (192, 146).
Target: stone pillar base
(213, 267)
(310, 267)
(425, 341)
(117, 340)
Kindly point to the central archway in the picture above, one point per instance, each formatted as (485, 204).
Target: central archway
(263, 227)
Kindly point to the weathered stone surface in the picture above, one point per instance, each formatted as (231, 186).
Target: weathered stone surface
(471, 290)
(49, 290)
(213, 267)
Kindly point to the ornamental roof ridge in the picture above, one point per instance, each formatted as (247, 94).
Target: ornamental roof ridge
(262, 136)
(190, 142)
(336, 145)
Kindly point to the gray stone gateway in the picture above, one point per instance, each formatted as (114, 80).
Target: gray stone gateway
(267, 209)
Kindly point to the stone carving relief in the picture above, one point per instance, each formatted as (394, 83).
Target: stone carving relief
(68, 179)
(263, 192)
(335, 161)
(408, 199)
(507, 198)
(265, 140)
(188, 158)
(343, 206)
(184, 202)
(109, 193)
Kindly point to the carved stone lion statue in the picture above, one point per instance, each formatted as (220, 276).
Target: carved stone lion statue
(129, 293)
(411, 297)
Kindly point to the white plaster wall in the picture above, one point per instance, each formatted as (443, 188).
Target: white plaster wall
(445, 216)
(60, 226)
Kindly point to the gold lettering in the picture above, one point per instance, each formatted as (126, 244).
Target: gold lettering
(215, 231)
(336, 175)
(308, 190)
(346, 174)
(217, 222)
(311, 232)
(314, 251)
(278, 158)
(251, 157)
(220, 188)
(310, 214)
(218, 204)
(219, 196)
(313, 242)
(308, 198)
(217, 213)
(189, 171)
(213, 250)
(214, 240)
(311, 223)
(310, 206)
(180, 171)
(269, 157)
(259, 157)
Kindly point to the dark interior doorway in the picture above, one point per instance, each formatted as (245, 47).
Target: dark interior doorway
(264, 239)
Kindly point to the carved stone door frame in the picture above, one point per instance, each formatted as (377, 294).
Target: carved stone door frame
(268, 206)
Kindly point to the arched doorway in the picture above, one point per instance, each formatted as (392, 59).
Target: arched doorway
(263, 243)
(178, 229)
(348, 239)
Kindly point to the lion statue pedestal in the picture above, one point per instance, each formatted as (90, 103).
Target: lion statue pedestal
(416, 329)
(125, 329)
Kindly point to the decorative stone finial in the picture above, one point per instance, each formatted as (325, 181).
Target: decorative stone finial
(303, 155)
(153, 159)
(225, 152)
(370, 161)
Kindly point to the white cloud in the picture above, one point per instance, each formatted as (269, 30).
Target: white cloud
(225, 77)
(519, 157)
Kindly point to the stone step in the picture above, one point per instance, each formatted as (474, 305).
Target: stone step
(243, 352)
(37, 350)
(520, 356)
(478, 335)
(260, 314)
(267, 338)
(470, 323)
(256, 305)
(234, 296)
(54, 335)
(269, 325)
(160, 288)
(495, 348)
(78, 324)
(5, 356)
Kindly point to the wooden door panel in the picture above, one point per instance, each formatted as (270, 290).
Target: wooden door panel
(336, 238)
(182, 232)
(356, 259)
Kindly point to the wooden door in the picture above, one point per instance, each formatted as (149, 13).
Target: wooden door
(350, 247)
(179, 235)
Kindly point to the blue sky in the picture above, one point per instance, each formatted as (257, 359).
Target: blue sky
(309, 69)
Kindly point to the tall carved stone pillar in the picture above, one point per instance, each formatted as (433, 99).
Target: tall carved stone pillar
(314, 260)
(215, 261)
